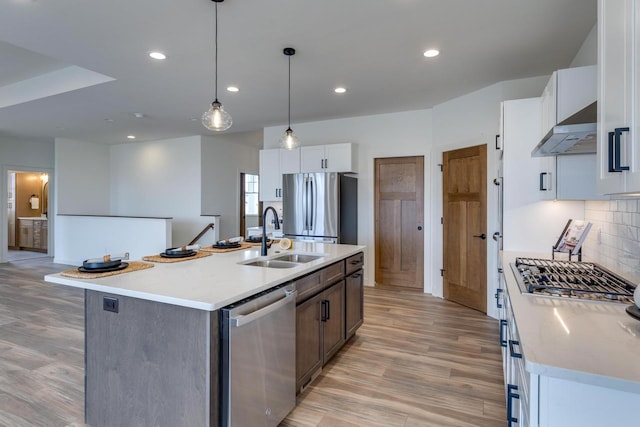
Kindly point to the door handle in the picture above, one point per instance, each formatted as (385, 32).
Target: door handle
(496, 236)
(482, 236)
(419, 228)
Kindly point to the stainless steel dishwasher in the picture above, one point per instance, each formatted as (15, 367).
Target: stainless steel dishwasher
(259, 359)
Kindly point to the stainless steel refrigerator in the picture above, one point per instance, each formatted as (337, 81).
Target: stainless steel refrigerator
(321, 207)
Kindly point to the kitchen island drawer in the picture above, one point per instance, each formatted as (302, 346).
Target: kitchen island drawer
(333, 273)
(355, 262)
(309, 285)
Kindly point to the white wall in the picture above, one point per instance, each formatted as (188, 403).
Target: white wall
(82, 177)
(385, 135)
(28, 156)
(159, 179)
(224, 157)
(588, 53)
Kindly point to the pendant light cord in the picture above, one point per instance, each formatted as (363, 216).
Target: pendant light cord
(289, 91)
(216, 55)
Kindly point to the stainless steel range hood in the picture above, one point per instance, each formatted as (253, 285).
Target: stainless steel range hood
(575, 135)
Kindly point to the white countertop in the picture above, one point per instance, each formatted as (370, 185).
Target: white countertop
(590, 342)
(211, 282)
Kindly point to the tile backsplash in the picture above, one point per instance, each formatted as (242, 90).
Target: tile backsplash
(614, 239)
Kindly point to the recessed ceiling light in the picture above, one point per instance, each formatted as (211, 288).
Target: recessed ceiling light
(109, 120)
(157, 55)
(233, 89)
(138, 115)
(340, 90)
(431, 53)
(131, 137)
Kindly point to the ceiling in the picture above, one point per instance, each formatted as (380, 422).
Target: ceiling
(79, 68)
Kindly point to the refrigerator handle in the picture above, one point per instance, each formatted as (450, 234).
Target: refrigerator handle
(308, 204)
(312, 208)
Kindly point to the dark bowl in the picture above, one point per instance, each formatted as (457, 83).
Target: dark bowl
(177, 251)
(102, 264)
(226, 245)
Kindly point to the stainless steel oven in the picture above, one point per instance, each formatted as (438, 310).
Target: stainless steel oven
(258, 359)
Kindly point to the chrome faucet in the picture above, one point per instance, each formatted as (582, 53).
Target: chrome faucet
(263, 247)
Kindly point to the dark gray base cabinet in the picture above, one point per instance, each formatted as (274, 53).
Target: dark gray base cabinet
(329, 311)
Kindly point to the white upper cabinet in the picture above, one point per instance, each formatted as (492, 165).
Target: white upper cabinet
(328, 158)
(273, 164)
(270, 176)
(618, 157)
(290, 161)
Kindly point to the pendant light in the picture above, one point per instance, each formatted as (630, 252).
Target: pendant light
(289, 140)
(216, 118)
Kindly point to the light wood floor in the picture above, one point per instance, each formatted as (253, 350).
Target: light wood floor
(416, 361)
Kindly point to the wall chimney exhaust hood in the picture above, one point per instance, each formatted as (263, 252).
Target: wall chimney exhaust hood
(575, 135)
(569, 114)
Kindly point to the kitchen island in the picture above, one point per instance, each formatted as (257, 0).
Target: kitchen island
(152, 337)
(567, 362)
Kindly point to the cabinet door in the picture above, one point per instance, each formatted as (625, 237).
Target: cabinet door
(308, 340)
(44, 236)
(338, 158)
(290, 161)
(576, 178)
(354, 298)
(312, 158)
(633, 137)
(25, 239)
(37, 233)
(333, 320)
(615, 74)
(270, 176)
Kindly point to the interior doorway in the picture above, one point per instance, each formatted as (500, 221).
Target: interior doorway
(250, 205)
(27, 214)
(464, 189)
(399, 221)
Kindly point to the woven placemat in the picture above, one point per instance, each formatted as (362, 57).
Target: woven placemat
(243, 245)
(133, 266)
(159, 258)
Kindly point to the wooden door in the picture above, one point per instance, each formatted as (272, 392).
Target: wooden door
(465, 226)
(399, 218)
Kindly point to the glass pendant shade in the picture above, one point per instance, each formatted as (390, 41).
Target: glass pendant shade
(216, 118)
(289, 140)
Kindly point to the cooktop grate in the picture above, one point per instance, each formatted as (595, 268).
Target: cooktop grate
(571, 279)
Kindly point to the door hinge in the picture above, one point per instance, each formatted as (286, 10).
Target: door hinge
(441, 220)
(442, 270)
(440, 165)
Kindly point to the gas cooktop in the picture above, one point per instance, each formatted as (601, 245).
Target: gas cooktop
(571, 279)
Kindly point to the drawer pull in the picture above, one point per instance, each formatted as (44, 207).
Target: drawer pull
(503, 341)
(497, 295)
(513, 353)
(511, 395)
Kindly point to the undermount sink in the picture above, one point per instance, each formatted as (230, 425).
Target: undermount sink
(299, 258)
(271, 263)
